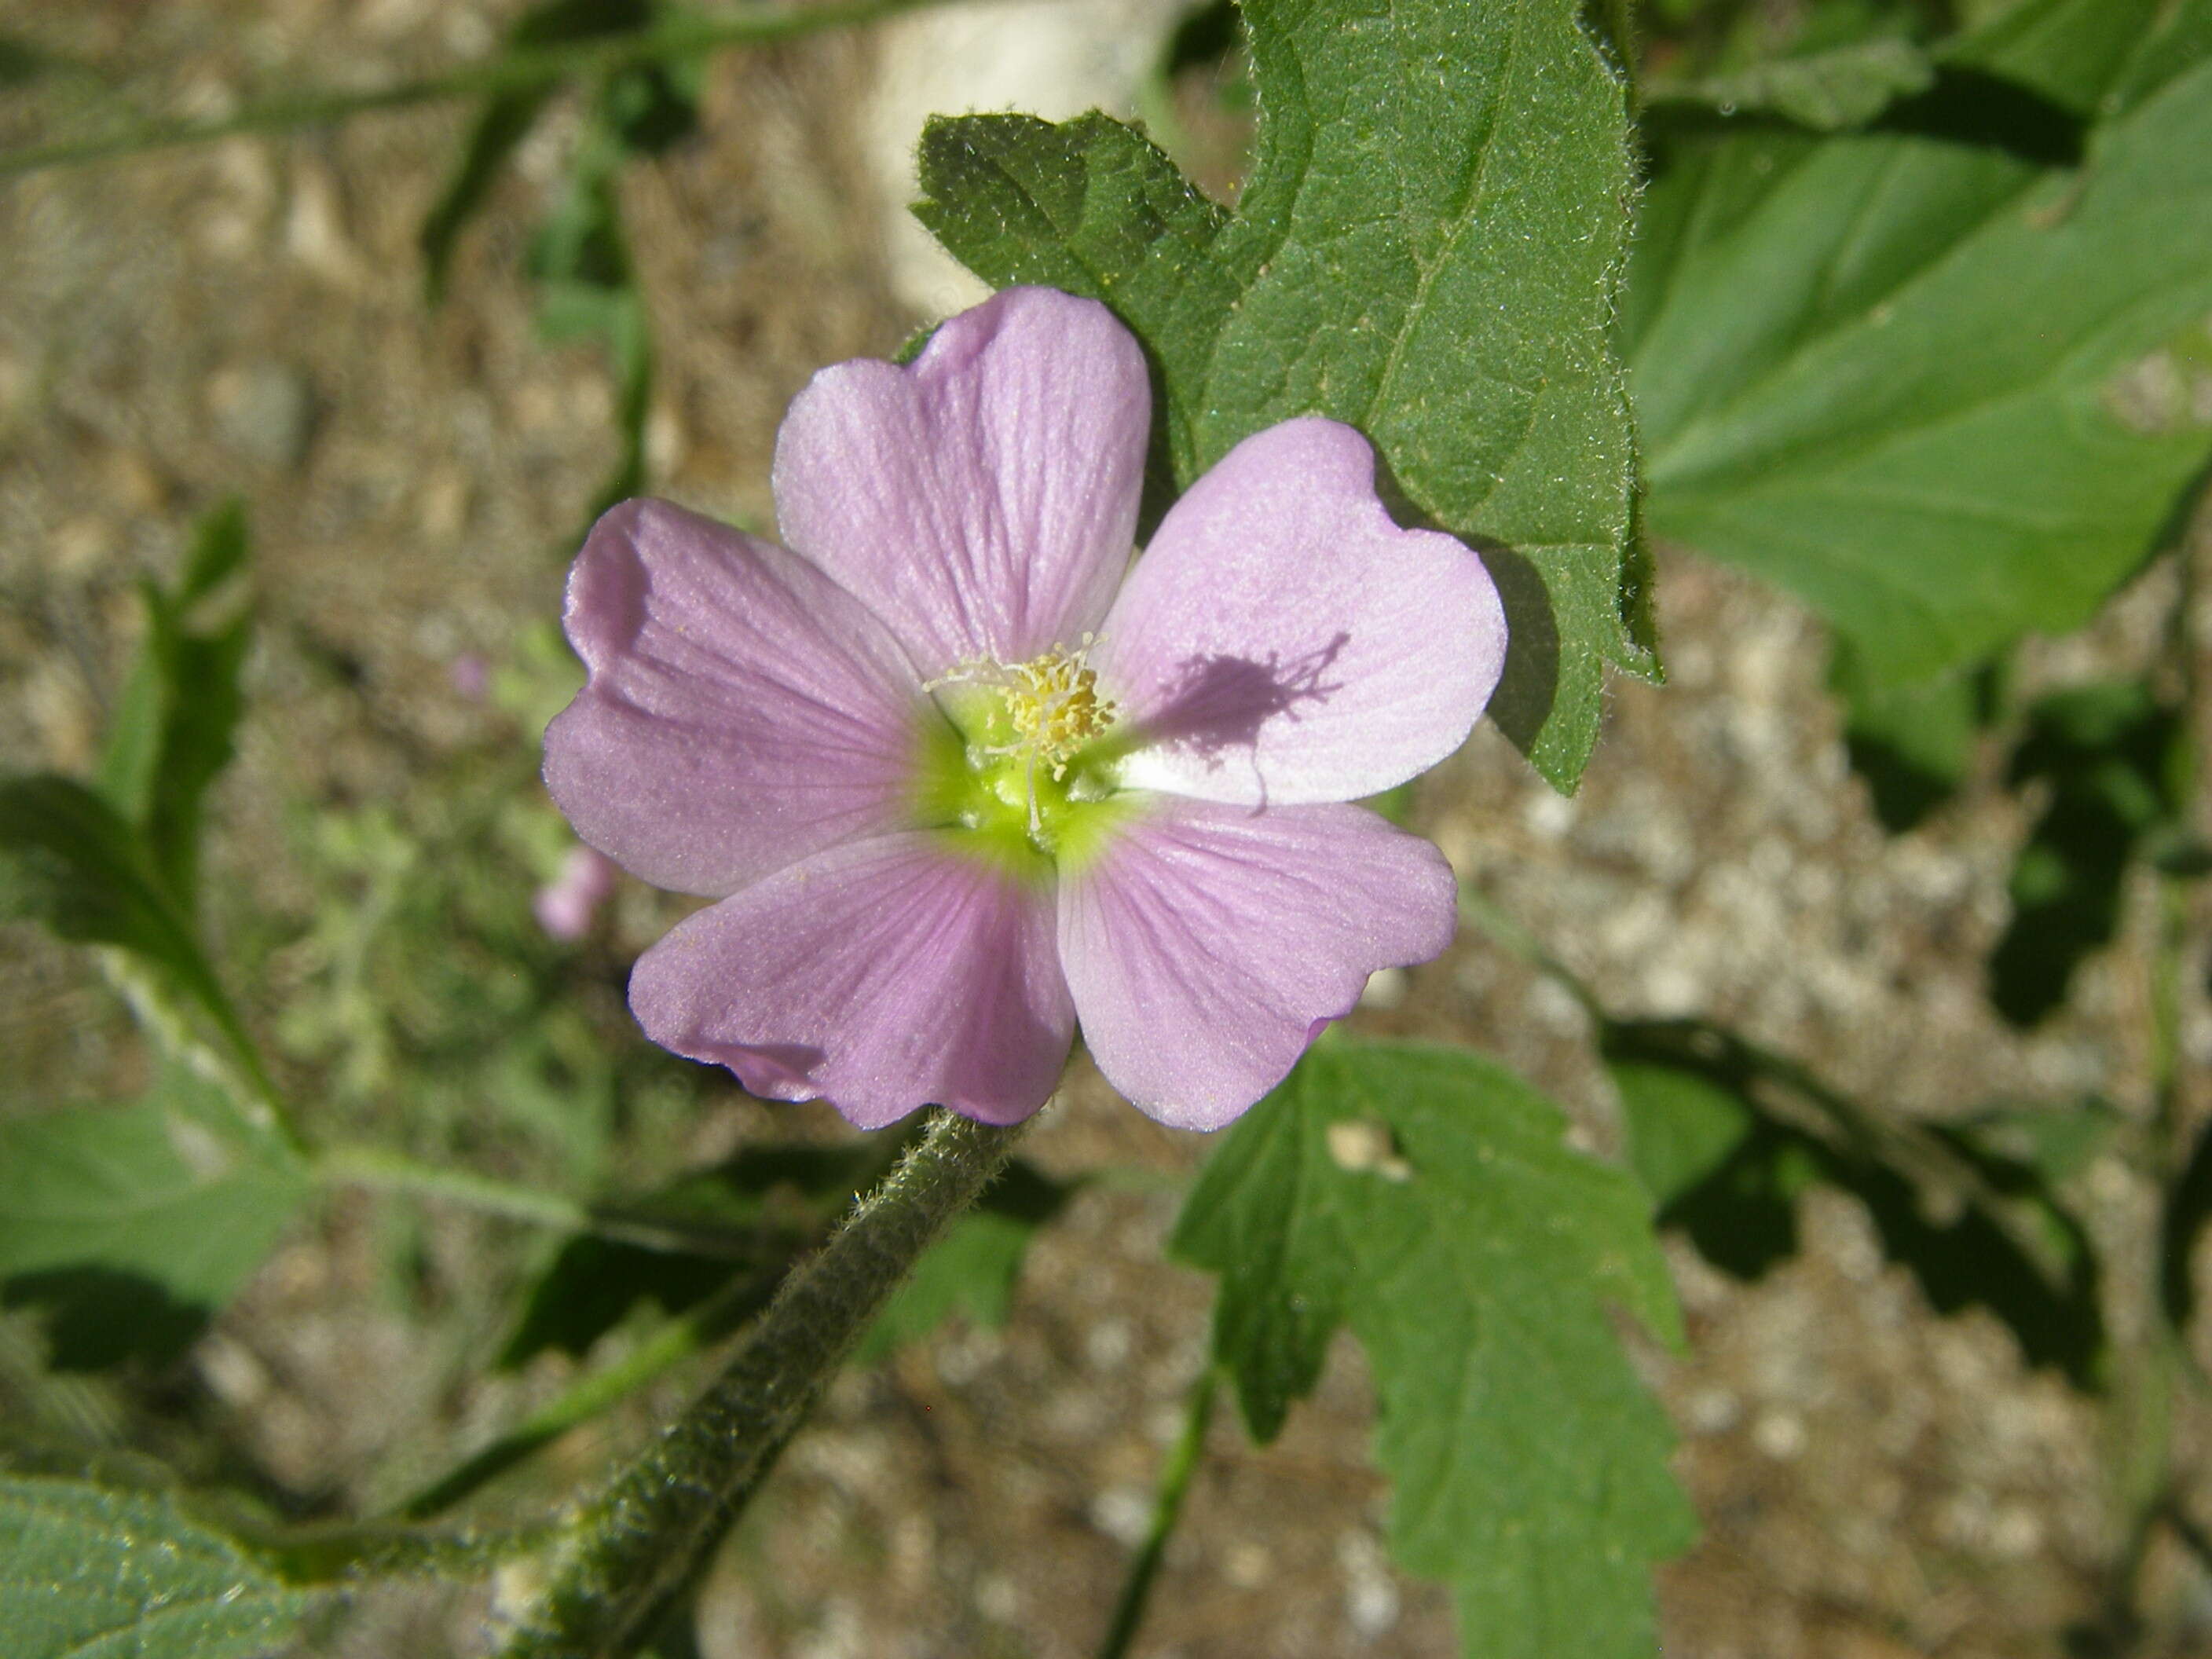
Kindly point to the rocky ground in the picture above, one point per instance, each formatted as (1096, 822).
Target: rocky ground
(1875, 1481)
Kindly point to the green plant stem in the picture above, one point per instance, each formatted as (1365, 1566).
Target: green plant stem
(338, 1554)
(514, 69)
(668, 1346)
(1167, 1509)
(651, 1530)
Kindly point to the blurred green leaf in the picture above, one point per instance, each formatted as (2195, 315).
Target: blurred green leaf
(973, 1269)
(587, 290)
(505, 120)
(87, 1573)
(651, 107)
(1426, 1197)
(128, 1225)
(2058, 1142)
(1927, 382)
(67, 860)
(175, 723)
(2108, 754)
(1844, 87)
(1727, 1137)
(1430, 255)
(2072, 51)
(2179, 40)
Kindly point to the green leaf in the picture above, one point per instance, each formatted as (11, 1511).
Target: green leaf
(2071, 52)
(1727, 1137)
(2108, 755)
(69, 862)
(1935, 389)
(2181, 39)
(973, 1269)
(1428, 248)
(1425, 1196)
(87, 1573)
(2058, 1142)
(176, 720)
(1844, 87)
(131, 1225)
(218, 552)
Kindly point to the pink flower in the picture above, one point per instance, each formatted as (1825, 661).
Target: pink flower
(959, 775)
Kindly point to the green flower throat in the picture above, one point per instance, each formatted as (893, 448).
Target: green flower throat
(1018, 761)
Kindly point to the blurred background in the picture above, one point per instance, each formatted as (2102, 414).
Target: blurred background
(255, 317)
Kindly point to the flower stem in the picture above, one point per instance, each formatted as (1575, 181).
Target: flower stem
(1167, 1510)
(517, 69)
(648, 1534)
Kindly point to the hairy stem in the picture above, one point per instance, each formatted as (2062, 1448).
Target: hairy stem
(516, 69)
(1167, 1510)
(650, 1531)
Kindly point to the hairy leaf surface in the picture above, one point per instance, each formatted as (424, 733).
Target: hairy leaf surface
(87, 1573)
(1425, 1197)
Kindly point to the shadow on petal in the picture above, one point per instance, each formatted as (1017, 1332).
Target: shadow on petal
(1220, 702)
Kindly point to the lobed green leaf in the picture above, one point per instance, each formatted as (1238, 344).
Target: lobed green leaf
(1425, 1197)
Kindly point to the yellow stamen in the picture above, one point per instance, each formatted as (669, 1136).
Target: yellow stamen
(1051, 709)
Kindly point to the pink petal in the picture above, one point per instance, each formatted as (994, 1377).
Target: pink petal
(1282, 640)
(1208, 945)
(881, 976)
(741, 712)
(983, 499)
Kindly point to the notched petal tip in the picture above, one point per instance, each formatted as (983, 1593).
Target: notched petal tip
(1284, 641)
(982, 499)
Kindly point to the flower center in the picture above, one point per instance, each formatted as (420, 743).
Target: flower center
(1019, 767)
